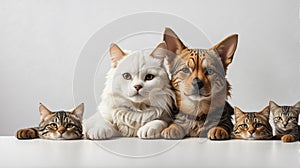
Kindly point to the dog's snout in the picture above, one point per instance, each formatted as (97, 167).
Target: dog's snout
(197, 83)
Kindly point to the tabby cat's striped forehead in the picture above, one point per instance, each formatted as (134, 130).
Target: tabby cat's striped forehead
(252, 116)
(63, 117)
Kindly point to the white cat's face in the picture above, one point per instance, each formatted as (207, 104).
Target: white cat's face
(138, 75)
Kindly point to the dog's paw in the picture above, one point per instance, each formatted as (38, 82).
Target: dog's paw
(217, 133)
(98, 132)
(287, 138)
(173, 132)
(151, 130)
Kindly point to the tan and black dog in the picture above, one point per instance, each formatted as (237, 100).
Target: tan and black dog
(198, 78)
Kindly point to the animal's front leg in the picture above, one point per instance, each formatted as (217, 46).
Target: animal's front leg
(174, 131)
(96, 128)
(152, 129)
(218, 133)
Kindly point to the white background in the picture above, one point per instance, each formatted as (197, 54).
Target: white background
(40, 42)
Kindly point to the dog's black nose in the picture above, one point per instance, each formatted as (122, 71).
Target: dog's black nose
(197, 83)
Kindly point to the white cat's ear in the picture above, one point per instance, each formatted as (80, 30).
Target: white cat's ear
(174, 44)
(116, 54)
(160, 52)
(266, 112)
(78, 111)
(226, 49)
(273, 105)
(44, 112)
(238, 113)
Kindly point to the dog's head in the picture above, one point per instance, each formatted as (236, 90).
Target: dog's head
(190, 68)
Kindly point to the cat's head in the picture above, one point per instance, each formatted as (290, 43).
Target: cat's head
(61, 124)
(252, 125)
(285, 117)
(140, 74)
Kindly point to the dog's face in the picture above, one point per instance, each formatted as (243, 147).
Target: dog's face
(190, 68)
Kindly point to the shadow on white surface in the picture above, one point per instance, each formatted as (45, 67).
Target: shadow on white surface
(190, 152)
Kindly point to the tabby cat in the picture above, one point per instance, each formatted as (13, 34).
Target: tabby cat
(252, 125)
(286, 121)
(56, 125)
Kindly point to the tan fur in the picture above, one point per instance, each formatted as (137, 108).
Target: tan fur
(197, 62)
(287, 138)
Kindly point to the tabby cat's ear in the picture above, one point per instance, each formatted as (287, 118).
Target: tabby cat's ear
(173, 42)
(297, 106)
(226, 49)
(238, 113)
(265, 112)
(160, 52)
(116, 54)
(78, 111)
(273, 106)
(44, 112)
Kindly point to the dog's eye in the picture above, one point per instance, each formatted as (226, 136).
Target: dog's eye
(208, 72)
(149, 77)
(185, 70)
(127, 76)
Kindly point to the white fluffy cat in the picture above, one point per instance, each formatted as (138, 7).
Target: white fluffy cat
(137, 99)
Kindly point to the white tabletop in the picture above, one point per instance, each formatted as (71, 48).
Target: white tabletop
(134, 152)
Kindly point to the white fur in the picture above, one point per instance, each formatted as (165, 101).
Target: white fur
(128, 115)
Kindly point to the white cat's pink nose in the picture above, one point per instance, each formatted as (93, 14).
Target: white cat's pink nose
(138, 87)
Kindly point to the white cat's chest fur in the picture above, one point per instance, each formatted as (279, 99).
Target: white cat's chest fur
(137, 99)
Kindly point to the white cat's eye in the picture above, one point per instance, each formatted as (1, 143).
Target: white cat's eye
(186, 70)
(127, 76)
(149, 77)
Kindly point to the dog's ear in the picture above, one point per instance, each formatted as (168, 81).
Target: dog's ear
(226, 49)
(116, 54)
(174, 44)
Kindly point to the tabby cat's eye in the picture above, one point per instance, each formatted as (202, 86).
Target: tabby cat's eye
(185, 70)
(149, 77)
(258, 125)
(53, 125)
(244, 125)
(69, 125)
(127, 76)
(277, 118)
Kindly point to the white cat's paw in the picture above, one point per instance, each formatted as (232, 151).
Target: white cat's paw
(100, 132)
(152, 129)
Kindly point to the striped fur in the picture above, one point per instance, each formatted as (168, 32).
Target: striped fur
(55, 125)
(286, 121)
(198, 79)
(252, 125)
